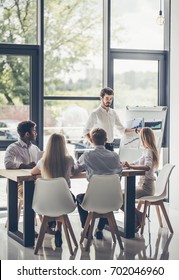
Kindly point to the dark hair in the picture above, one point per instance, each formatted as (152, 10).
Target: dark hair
(24, 127)
(106, 90)
(98, 136)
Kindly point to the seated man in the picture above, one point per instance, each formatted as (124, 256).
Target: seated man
(98, 161)
(22, 154)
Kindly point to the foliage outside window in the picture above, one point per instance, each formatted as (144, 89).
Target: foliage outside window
(18, 21)
(73, 47)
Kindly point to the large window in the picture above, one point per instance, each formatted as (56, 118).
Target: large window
(133, 25)
(18, 21)
(68, 117)
(14, 94)
(135, 84)
(52, 72)
(73, 46)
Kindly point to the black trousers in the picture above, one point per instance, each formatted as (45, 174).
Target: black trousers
(83, 213)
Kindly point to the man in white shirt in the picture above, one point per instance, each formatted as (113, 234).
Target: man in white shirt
(22, 154)
(106, 118)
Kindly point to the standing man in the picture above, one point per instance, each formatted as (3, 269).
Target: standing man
(98, 161)
(106, 118)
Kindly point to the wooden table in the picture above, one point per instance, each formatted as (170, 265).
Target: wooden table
(26, 237)
(129, 190)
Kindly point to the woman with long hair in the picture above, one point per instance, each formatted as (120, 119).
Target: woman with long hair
(55, 162)
(148, 162)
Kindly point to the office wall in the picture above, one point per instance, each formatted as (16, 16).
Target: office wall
(174, 105)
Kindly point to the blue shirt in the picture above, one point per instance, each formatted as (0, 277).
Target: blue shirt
(99, 161)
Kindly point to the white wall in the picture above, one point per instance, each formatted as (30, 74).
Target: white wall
(174, 104)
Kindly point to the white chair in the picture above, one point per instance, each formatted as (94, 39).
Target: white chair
(103, 196)
(157, 198)
(52, 199)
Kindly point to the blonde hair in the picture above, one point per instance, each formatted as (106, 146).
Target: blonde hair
(148, 140)
(54, 161)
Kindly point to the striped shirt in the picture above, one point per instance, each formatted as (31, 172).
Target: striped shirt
(99, 161)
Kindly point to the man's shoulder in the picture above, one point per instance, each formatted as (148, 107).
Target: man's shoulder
(95, 111)
(13, 145)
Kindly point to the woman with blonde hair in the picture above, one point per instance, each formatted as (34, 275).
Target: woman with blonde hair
(55, 162)
(148, 162)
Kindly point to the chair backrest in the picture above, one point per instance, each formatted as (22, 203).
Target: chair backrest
(52, 197)
(162, 180)
(103, 194)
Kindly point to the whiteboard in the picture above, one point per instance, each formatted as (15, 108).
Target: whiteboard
(141, 116)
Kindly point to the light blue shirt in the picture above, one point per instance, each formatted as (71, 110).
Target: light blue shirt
(99, 161)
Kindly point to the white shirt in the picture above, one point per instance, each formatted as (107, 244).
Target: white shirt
(147, 159)
(18, 153)
(100, 118)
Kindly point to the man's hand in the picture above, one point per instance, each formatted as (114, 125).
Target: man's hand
(27, 166)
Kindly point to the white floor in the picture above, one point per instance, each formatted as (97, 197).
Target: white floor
(156, 243)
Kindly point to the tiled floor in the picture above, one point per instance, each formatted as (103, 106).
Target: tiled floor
(156, 243)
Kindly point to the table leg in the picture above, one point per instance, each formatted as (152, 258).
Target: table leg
(12, 206)
(25, 238)
(129, 211)
(28, 213)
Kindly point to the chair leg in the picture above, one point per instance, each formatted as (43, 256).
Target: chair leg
(71, 230)
(166, 216)
(146, 204)
(40, 218)
(139, 205)
(90, 233)
(111, 226)
(41, 234)
(90, 215)
(116, 231)
(67, 234)
(159, 216)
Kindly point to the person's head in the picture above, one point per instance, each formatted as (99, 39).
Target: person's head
(106, 96)
(54, 163)
(98, 136)
(27, 130)
(148, 141)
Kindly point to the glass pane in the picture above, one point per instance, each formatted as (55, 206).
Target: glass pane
(134, 26)
(135, 84)
(14, 94)
(3, 196)
(73, 47)
(69, 118)
(18, 21)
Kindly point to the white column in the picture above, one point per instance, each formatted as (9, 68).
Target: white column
(174, 105)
